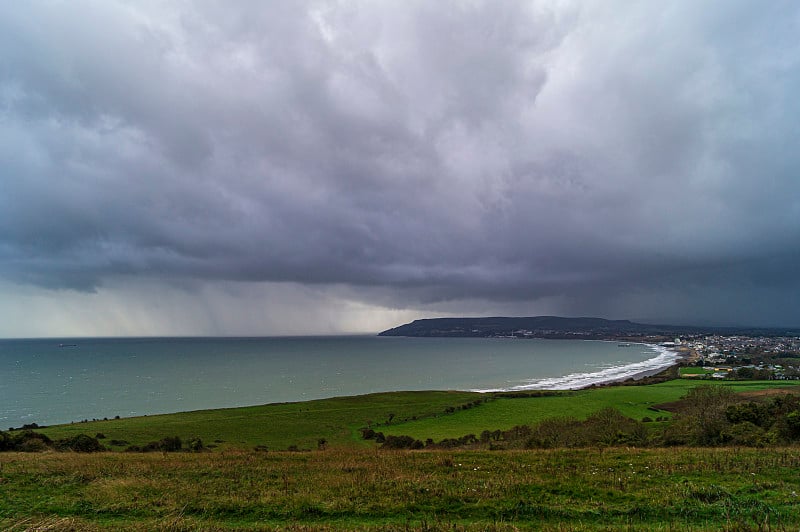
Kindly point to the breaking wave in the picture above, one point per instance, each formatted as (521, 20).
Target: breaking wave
(663, 359)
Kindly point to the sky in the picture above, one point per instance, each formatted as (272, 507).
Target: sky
(325, 167)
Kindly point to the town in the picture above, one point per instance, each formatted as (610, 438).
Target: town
(743, 357)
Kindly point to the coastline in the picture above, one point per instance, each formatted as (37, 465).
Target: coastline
(129, 378)
(680, 357)
(664, 358)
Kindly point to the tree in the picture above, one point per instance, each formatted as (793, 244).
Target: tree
(703, 414)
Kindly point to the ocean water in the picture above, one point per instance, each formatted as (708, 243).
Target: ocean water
(46, 383)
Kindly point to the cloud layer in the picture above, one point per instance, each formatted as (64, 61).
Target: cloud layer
(464, 157)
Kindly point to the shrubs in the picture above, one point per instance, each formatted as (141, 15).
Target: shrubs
(166, 445)
(6, 443)
(32, 442)
(195, 445)
(401, 442)
(80, 444)
(712, 415)
(703, 414)
(609, 427)
(746, 434)
(556, 432)
(27, 441)
(606, 427)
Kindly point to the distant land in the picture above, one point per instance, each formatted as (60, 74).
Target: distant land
(559, 327)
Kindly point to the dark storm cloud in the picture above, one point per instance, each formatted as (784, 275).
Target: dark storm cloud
(604, 154)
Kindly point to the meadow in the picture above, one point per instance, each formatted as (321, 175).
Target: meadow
(419, 414)
(586, 489)
(336, 480)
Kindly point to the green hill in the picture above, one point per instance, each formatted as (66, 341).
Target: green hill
(430, 414)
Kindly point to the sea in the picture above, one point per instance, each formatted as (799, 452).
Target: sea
(50, 381)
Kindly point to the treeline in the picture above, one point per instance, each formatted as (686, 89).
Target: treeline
(707, 416)
(31, 441)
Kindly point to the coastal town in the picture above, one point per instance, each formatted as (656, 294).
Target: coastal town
(714, 356)
(742, 357)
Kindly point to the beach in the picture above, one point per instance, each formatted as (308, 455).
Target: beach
(662, 359)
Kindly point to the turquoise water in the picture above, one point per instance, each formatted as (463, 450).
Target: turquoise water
(45, 383)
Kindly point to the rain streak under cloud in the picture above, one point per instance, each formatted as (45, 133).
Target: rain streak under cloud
(312, 167)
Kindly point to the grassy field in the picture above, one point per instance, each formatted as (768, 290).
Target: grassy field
(338, 420)
(346, 489)
(633, 401)
(276, 426)
(352, 484)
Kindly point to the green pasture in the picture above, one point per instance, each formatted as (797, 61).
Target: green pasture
(276, 426)
(633, 401)
(418, 414)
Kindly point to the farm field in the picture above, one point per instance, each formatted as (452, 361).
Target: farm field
(503, 413)
(338, 420)
(276, 426)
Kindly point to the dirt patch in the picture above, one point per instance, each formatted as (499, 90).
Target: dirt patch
(770, 392)
(672, 406)
(677, 406)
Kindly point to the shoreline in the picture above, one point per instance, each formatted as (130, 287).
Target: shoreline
(663, 358)
(680, 357)
(642, 361)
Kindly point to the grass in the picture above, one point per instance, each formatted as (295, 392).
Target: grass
(276, 426)
(694, 370)
(354, 485)
(337, 420)
(345, 489)
(633, 401)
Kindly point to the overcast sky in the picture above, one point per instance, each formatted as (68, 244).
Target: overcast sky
(288, 167)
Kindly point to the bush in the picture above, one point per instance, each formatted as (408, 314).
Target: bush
(517, 432)
(550, 433)
(610, 427)
(6, 443)
(171, 445)
(401, 442)
(80, 444)
(31, 442)
(755, 413)
(704, 414)
(166, 445)
(33, 445)
(745, 433)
